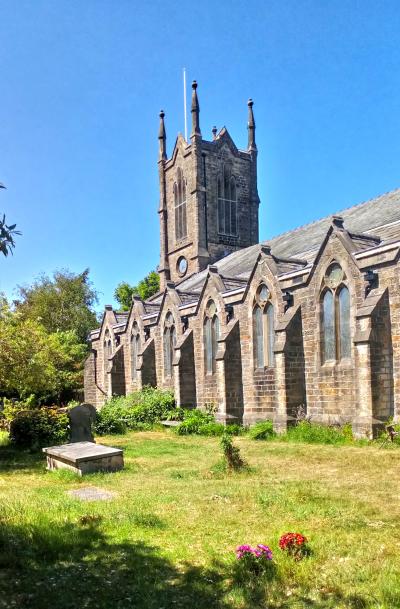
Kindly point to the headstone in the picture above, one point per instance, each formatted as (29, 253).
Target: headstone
(81, 419)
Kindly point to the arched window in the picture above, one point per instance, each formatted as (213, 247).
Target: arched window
(135, 349)
(107, 353)
(344, 322)
(263, 329)
(180, 206)
(211, 336)
(227, 204)
(336, 334)
(328, 313)
(169, 344)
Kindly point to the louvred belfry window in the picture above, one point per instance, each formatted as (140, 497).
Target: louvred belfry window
(227, 204)
(180, 207)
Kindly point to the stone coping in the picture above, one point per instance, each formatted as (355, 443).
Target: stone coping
(81, 451)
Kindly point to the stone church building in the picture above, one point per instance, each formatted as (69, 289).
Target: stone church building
(310, 318)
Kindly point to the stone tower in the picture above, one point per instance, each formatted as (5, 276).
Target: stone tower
(208, 198)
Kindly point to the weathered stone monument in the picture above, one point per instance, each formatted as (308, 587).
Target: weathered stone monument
(81, 419)
(82, 455)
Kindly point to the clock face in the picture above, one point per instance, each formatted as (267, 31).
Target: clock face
(182, 266)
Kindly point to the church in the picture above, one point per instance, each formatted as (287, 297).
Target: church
(308, 321)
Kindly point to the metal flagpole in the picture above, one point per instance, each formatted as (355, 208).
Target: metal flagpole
(184, 101)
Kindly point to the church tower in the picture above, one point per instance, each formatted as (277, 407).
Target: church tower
(208, 198)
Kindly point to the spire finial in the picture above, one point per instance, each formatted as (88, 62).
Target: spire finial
(162, 138)
(195, 111)
(214, 132)
(251, 127)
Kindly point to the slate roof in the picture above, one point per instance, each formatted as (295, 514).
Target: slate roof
(377, 217)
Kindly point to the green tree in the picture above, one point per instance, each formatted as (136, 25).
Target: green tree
(147, 287)
(32, 361)
(60, 303)
(7, 234)
(123, 295)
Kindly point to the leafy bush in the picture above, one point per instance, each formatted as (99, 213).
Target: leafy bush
(37, 428)
(138, 410)
(264, 430)
(316, 433)
(193, 421)
(203, 423)
(231, 453)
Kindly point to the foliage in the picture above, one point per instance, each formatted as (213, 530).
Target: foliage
(316, 433)
(36, 428)
(231, 453)
(35, 362)
(264, 430)
(62, 303)
(138, 409)
(295, 545)
(193, 421)
(147, 287)
(7, 234)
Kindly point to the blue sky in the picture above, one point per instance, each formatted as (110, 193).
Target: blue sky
(82, 84)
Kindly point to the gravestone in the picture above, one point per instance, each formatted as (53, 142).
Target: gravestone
(91, 493)
(81, 419)
(84, 458)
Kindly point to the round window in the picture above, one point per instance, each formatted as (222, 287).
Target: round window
(182, 266)
(334, 275)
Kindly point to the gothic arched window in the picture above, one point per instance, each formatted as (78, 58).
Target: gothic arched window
(336, 334)
(135, 348)
(263, 329)
(180, 206)
(169, 340)
(227, 204)
(107, 353)
(211, 336)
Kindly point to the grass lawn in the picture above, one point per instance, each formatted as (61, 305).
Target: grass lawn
(167, 539)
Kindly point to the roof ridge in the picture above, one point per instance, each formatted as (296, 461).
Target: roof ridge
(302, 226)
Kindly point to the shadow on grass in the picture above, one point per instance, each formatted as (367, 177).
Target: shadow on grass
(75, 565)
(12, 458)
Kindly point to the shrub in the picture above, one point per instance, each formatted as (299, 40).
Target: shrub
(193, 421)
(264, 430)
(36, 428)
(315, 433)
(138, 410)
(231, 453)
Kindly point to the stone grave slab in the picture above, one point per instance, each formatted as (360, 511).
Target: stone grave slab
(84, 458)
(91, 493)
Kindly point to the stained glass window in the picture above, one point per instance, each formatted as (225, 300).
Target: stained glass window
(269, 315)
(169, 344)
(258, 337)
(344, 322)
(135, 348)
(329, 326)
(211, 336)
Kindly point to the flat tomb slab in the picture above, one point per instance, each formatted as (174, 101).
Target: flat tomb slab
(84, 457)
